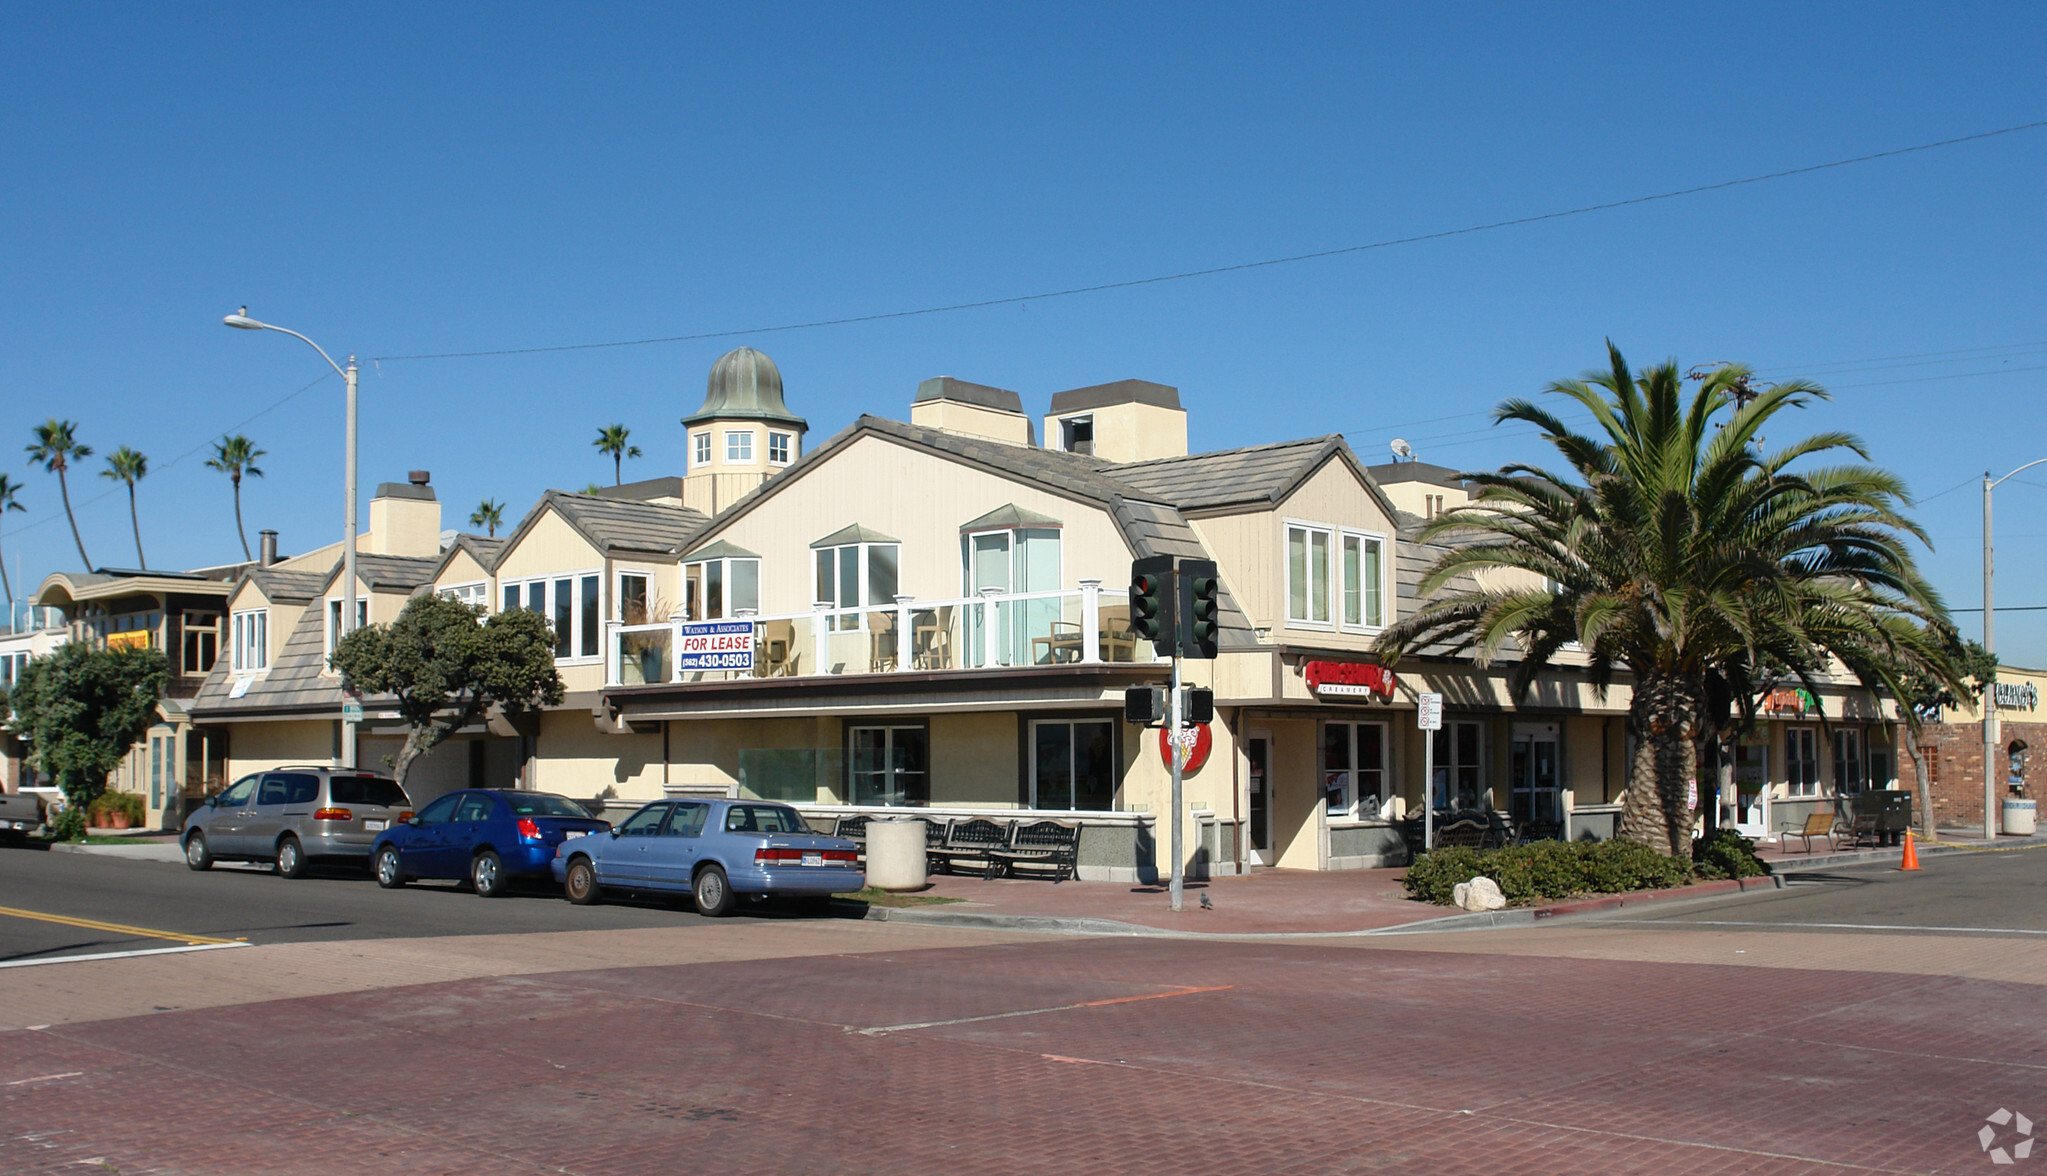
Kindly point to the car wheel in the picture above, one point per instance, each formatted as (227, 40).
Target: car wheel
(712, 893)
(291, 858)
(487, 874)
(390, 874)
(197, 856)
(581, 883)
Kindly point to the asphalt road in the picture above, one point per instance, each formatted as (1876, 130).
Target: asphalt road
(1966, 893)
(241, 902)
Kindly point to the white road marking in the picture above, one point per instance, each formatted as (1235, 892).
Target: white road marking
(46, 1078)
(118, 955)
(1829, 926)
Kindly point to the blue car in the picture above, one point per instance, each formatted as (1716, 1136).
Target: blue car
(486, 836)
(713, 849)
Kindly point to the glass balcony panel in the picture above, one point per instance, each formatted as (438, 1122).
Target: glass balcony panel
(645, 654)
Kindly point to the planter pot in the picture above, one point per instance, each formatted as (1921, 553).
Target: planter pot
(2021, 816)
(119, 821)
(99, 820)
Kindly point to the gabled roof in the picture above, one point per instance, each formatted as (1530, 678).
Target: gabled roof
(280, 587)
(481, 548)
(617, 526)
(293, 682)
(1007, 517)
(854, 534)
(722, 550)
(387, 573)
(1254, 476)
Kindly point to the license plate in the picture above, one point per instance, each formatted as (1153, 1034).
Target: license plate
(813, 859)
(376, 826)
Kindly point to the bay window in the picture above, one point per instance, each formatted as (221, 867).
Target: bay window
(719, 582)
(863, 573)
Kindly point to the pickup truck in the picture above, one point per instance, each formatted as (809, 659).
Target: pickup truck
(21, 813)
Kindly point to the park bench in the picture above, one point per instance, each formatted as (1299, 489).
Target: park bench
(1042, 845)
(1465, 833)
(1817, 824)
(969, 841)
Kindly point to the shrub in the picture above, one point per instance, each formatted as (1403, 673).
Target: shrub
(1547, 870)
(1727, 854)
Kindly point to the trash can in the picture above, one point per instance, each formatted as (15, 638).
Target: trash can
(895, 853)
(1892, 808)
(2021, 816)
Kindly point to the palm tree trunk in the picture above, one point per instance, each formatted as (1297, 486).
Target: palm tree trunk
(618, 469)
(1665, 714)
(135, 521)
(4, 583)
(64, 488)
(239, 530)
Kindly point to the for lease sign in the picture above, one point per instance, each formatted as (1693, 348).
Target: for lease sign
(716, 645)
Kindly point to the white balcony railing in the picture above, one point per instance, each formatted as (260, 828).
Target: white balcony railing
(1084, 625)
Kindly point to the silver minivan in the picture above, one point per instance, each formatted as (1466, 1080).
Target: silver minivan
(294, 817)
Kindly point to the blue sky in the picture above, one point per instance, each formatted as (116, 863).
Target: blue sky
(394, 180)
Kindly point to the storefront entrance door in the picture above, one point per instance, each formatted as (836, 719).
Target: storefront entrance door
(1258, 751)
(1536, 801)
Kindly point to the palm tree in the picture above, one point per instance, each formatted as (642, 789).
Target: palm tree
(235, 456)
(1681, 553)
(490, 513)
(8, 489)
(56, 447)
(128, 466)
(611, 440)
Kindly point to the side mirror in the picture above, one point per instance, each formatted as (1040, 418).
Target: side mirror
(613, 831)
(413, 821)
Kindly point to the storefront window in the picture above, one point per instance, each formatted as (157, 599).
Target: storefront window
(1354, 774)
(1801, 761)
(1848, 775)
(1460, 782)
(1073, 765)
(889, 765)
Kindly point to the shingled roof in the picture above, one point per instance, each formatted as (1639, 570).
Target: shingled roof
(1255, 475)
(616, 525)
(293, 682)
(286, 587)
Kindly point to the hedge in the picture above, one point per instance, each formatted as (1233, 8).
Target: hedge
(1547, 870)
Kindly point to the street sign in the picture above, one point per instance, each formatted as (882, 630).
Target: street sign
(351, 711)
(1428, 714)
(716, 645)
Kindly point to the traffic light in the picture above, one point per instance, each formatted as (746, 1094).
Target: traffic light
(1144, 705)
(1152, 593)
(1198, 624)
(1197, 705)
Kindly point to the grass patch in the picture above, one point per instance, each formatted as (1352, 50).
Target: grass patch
(873, 896)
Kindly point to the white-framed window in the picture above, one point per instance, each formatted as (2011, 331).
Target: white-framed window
(252, 640)
(569, 602)
(1801, 761)
(1073, 764)
(1848, 775)
(1307, 574)
(779, 447)
(700, 449)
(633, 601)
(717, 588)
(738, 446)
(1460, 767)
(856, 575)
(1355, 782)
(1364, 580)
(362, 620)
(475, 595)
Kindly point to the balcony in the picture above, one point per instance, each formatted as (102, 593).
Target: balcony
(1079, 626)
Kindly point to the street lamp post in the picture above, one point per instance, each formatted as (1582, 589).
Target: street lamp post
(1989, 702)
(241, 320)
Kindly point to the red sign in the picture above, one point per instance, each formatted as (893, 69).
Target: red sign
(1195, 744)
(1328, 677)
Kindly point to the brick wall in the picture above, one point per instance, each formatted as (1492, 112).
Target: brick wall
(1954, 767)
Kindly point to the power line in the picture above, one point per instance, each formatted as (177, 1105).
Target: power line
(1239, 267)
(2007, 608)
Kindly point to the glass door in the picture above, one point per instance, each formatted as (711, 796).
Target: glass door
(1258, 753)
(989, 566)
(1535, 796)
(889, 766)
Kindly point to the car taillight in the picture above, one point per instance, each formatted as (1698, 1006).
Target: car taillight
(841, 855)
(769, 857)
(404, 816)
(529, 830)
(333, 814)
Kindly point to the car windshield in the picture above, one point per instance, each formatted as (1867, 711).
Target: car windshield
(544, 804)
(763, 818)
(366, 790)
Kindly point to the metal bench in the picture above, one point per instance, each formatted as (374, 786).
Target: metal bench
(1466, 834)
(1817, 824)
(1042, 845)
(972, 841)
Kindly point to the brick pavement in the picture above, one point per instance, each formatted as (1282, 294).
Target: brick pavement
(1215, 1057)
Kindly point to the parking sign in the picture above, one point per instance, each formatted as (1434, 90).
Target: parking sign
(1429, 715)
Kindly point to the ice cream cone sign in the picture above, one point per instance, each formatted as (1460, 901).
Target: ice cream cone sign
(1194, 743)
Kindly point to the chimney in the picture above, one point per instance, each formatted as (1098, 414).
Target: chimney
(405, 518)
(1129, 420)
(266, 548)
(975, 410)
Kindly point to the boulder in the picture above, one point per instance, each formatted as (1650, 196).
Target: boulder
(1479, 894)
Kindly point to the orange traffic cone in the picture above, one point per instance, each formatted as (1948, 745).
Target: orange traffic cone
(1911, 859)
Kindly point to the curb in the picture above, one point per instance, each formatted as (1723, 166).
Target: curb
(1057, 924)
(148, 852)
(1614, 902)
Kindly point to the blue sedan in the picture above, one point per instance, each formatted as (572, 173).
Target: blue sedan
(485, 836)
(715, 850)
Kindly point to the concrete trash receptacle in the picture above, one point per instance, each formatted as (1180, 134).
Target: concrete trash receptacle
(895, 853)
(2021, 815)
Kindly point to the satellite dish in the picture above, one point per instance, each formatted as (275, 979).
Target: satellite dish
(1402, 451)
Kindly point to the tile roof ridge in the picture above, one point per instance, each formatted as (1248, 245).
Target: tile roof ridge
(1296, 443)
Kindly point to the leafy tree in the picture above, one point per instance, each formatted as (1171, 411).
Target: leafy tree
(611, 440)
(8, 489)
(235, 456)
(127, 466)
(448, 664)
(56, 447)
(81, 709)
(1960, 671)
(490, 513)
(1676, 550)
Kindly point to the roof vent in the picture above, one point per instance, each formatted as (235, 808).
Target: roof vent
(419, 477)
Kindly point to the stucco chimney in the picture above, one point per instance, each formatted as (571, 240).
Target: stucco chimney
(405, 519)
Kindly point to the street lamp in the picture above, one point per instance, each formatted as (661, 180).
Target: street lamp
(241, 320)
(1990, 692)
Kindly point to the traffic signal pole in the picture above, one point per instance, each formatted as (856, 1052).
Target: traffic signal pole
(1177, 758)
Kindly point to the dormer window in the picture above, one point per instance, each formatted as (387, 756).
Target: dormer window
(362, 620)
(252, 641)
(856, 567)
(1077, 434)
(719, 581)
